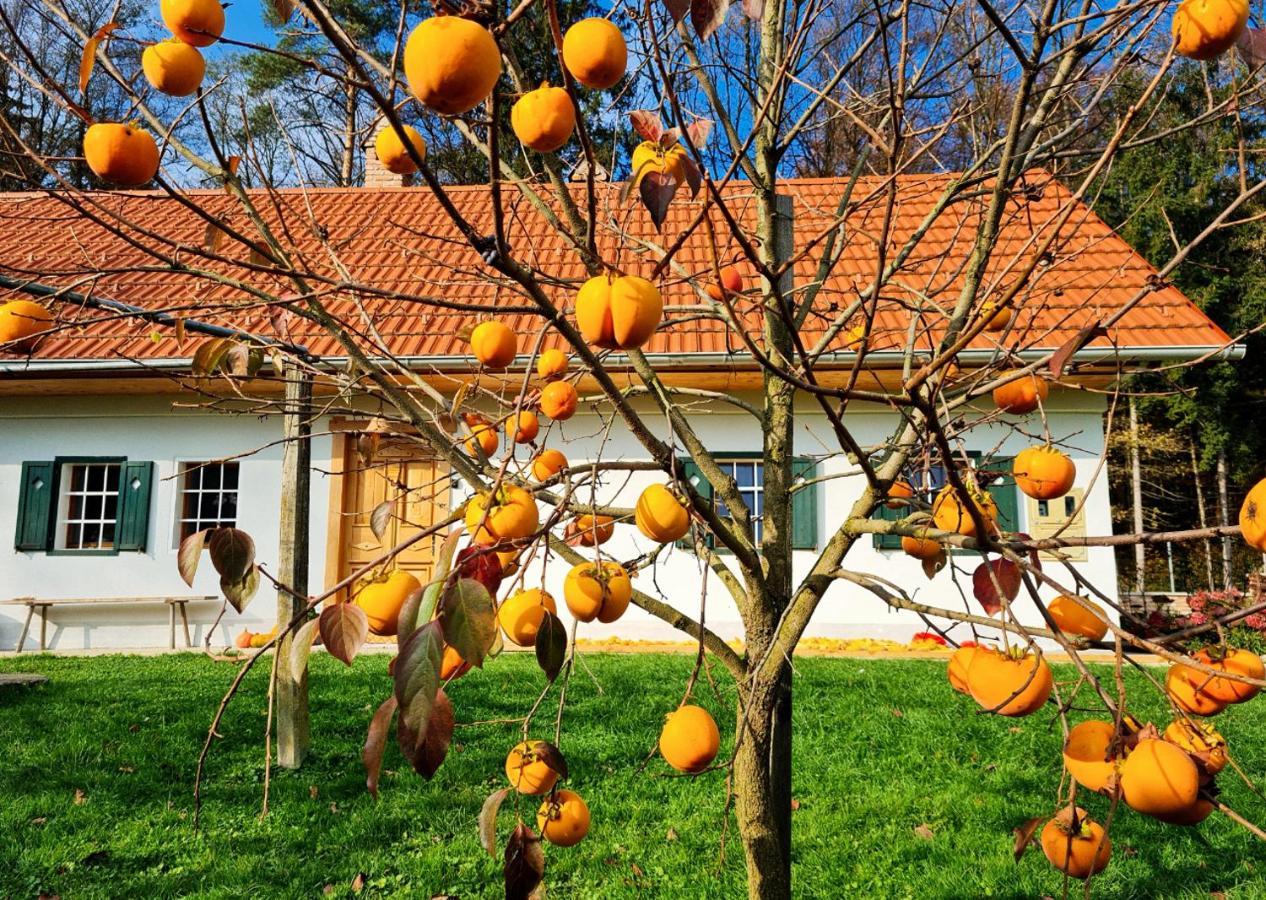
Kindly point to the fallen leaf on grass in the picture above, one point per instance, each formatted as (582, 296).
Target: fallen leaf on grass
(924, 831)
(80, 797)
(672, 835)
(795, 804)
(312, 791)
(358, 883)
(898, 713)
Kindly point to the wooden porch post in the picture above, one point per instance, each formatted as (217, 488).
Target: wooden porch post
(292, 564)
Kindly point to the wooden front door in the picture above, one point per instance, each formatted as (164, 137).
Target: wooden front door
(415, 484)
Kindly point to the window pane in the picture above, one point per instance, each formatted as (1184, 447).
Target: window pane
(95, 478)
(92, 506)
(91, 535)
(210, 477)
(745, 474)
(75, 506)
(112, 478)
(209, 506)
(107, 535)
(228, 506)
(111, 507)
(73, 535)
(230, 476)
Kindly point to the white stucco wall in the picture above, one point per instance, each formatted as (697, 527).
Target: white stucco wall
(149, 428)
(139, 428)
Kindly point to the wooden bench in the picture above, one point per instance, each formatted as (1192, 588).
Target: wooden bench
(33, 604)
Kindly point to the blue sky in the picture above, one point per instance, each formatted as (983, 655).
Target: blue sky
(244, 21)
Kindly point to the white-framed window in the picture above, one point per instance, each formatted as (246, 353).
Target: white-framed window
(88, 506)
(206, 497)
(749, 475)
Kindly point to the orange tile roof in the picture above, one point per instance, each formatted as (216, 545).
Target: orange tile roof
(400, 240)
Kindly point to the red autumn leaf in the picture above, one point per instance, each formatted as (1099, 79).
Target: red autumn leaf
(657, 191)
(376, 743)
(524, 863)
(994, 580)
(647, 124)
(1061, 357)
(677, 8)
(707, 16)
(1024, 836)
(426, 751)
(344, 627)
(697, 133)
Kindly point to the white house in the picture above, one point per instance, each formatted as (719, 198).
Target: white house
(107, 458)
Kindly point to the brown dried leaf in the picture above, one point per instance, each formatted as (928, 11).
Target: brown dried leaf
(376, 743)
(232, 552)
(189, 555)
(707, 16)
(935, 564)
(427, 751)
(657, 190)
(344, 627)
(80, 797)
(358, 883)
(697, 133)
(524, 863)
(241, 591)
(488, 821)
(1061, 357)
(551, 645)
(677, 8)
(551, 756)
(989, 578)
(380, 518)
(1024, 836)
(924, 831)
(694, 177)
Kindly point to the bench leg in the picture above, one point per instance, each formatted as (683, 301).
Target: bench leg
(43, 628)
(26, 627)
(184, 620)
(171, 618)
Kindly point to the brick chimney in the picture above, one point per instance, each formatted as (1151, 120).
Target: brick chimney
(376, 174)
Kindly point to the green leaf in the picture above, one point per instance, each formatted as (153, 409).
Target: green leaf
(468, 618)
(551, 645)
(344, 627)
(232, 552)
(426, 751)
(190, 554)
(418, 675)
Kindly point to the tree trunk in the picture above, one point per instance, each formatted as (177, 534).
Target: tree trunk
(762, 788)
(1136, 488)
(1204, 519)
(292, 565)
(347, 164)
(1224, 519)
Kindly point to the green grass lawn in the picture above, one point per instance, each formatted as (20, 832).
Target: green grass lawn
(882, 747)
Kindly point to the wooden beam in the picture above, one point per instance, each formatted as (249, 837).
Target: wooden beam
(291, 699)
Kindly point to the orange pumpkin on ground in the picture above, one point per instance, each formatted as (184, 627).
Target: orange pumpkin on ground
(1253, 517)
(1078, 616)
(520, 616)
(959, 662)
(1021, 395)
(1076, 846)
(1235, 661)
(505, 515)
(563, 819)
(452, 666)
(1205, 29)
(452, 64)
(689, 740)
(898, 493)
(731, 283)
(552, 363)
(1043, 473)
(618, 312)
(493, 344)
(547, 464)
(1159, 779)
(381, 598)
(996, 318)
(559, 400)
(21, 324)
(950, 513)
(543, 119)
(527, 773)
(594, 53)
(196, 22)
(243, 639)
(1088, 754)
(121, 154)
(598, 591)
(1187, 696)
(173, 67)
(1201, 740)
(660, 515)
(594, 530)
(649, 157)
(392, 152)
(522, 428)
(1009, 684)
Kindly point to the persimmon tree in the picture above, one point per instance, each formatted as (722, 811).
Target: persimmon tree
(733, 99)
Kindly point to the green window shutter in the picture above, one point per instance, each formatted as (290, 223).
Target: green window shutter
(889, 541)
(701, 484)
(804, 506)
(35, 506)
(1003, 491)
(134, 491)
